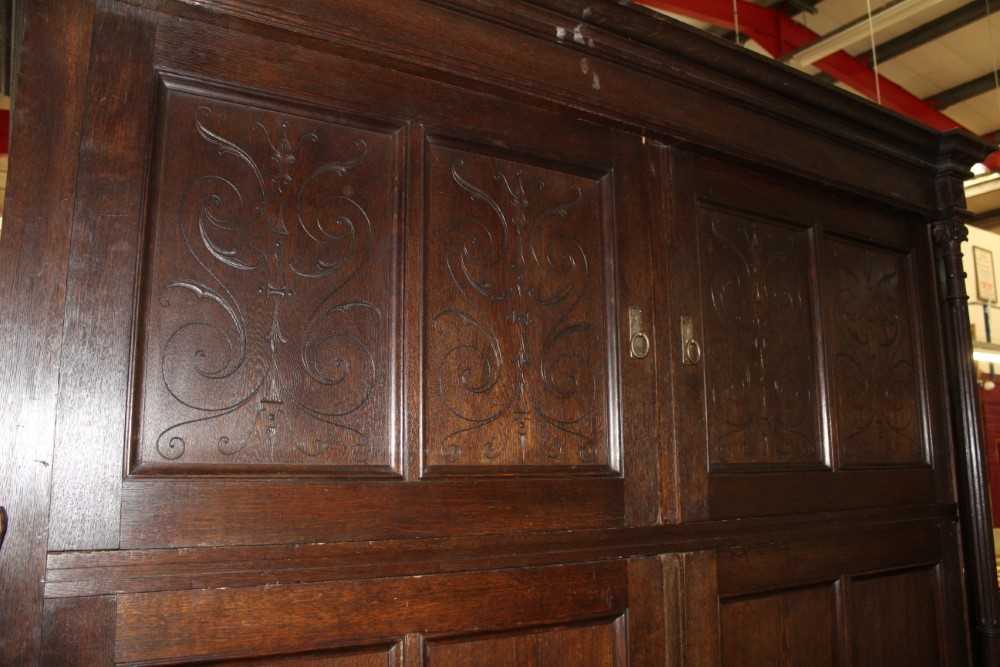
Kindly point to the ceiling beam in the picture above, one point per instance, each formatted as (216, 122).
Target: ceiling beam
(928, 32)
(923, 34)
(963, 91)
(857, 30)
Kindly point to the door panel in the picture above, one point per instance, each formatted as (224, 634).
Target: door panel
(810, 338)
(353, 294)
(519, 315)
(269, 291)
(796, 627)
(877, 413)
(597, 645)
(363, 658)
(761, 368)
(895, 619)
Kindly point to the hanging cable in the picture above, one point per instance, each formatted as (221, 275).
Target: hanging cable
(736, 20)
(993, 51)
(871, 36)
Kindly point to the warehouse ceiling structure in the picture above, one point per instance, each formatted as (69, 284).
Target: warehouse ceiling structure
(934, 61)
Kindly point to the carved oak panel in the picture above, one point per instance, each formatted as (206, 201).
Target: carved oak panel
(268, 305)
(520, 361)
(760, 357)
(591, 645)
(872, 350)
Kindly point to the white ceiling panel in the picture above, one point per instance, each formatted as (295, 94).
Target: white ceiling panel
(980, 114)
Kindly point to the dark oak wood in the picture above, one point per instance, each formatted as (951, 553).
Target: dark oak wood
(188, 624)
(78, 632)
(90, 573)
(469, 332)
(88, 453)
(814, 385)
(34, 252)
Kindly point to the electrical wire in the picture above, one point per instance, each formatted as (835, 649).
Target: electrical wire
(871, 36)
(736, 20)
(993, 51)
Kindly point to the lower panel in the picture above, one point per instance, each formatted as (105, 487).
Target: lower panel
(880, 596)
(564, 611)
(768, 629)
(895, 619)
(593, 645)
(380, 656)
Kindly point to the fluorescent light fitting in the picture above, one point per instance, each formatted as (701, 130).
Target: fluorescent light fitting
(855, 31)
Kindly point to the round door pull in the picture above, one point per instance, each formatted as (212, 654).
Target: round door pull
(640, 346)
(692, 352)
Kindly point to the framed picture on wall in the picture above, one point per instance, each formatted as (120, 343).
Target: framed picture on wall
(986, 284)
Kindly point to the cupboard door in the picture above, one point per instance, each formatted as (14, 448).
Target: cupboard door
(809, 388)
(385, 306)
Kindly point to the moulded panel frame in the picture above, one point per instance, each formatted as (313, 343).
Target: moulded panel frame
(168, 83)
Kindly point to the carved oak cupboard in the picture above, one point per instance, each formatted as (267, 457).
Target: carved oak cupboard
(473, 333)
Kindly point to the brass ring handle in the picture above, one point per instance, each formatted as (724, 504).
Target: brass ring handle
(640, 346)
(692, 352)
(690, 347)
(639, 343)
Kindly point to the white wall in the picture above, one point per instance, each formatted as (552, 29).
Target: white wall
(991, 241)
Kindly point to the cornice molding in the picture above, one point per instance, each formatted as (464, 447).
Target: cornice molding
(627, 34)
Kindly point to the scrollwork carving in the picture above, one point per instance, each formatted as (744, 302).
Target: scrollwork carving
(874, 358)
(761, 370)
(268, 345)
(517, 374)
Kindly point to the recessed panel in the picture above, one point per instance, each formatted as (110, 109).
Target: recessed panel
(594, 645)
(517, 300)
(268, 304)
(796, 627)
(872, 356)
(760, 349)
(375, 657)
(894, 620)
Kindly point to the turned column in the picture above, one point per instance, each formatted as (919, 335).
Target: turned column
(948, 232)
